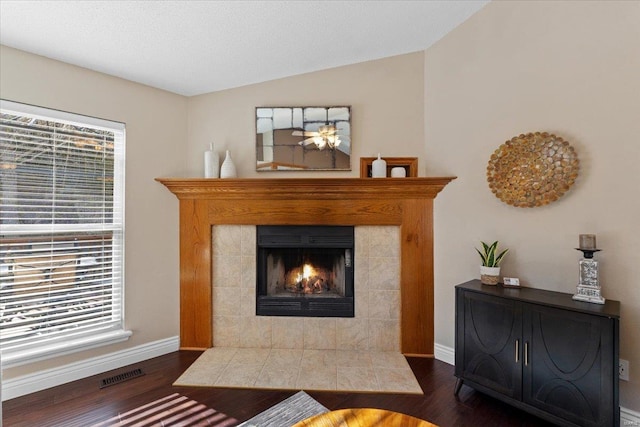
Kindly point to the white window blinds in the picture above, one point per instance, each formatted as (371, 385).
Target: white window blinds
(61, 232)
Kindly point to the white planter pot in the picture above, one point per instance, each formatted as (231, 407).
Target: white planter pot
(489, 275)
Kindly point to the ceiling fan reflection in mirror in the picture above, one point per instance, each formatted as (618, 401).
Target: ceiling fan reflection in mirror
(325, 137)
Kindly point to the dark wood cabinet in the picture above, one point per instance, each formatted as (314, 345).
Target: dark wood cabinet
(540, 351)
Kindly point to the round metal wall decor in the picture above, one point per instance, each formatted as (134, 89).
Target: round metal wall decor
(532, 170)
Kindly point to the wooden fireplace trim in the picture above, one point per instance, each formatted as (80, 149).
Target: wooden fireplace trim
(407, 202)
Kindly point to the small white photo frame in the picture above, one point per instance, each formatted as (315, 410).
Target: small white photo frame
(511, 281)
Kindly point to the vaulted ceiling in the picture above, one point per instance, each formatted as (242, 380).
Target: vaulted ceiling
(196, 47)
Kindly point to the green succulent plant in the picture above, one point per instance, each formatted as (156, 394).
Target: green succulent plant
(488, 255)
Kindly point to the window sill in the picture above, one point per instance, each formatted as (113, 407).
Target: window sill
(62, 348)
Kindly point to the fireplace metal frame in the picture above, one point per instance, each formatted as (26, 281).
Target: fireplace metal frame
(304, 236)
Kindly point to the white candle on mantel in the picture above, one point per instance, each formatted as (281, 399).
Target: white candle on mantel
(587, 241)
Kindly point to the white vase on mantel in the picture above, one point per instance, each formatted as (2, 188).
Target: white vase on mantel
(211, 163)
(379, 168)
(228, 169)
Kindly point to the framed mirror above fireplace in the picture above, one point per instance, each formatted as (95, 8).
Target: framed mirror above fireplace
(305, 271)
(303, 138)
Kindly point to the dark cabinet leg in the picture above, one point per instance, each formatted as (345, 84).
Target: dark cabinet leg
(457, 387)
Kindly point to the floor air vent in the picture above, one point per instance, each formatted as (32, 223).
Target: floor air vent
(116, 379)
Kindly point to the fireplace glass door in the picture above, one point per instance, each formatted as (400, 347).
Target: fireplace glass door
(305, 271)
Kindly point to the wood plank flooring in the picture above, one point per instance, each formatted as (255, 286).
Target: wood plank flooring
(82, 403)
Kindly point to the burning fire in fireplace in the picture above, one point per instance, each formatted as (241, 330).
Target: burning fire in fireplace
(305, 271)
(308, 280)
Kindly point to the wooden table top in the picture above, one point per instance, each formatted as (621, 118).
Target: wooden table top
(363, 417)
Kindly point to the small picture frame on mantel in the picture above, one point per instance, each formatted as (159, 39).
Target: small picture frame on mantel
(410, 164)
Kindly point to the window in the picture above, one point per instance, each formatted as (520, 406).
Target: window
(61, 232)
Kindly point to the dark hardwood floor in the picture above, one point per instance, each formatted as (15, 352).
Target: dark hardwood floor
(82, 403)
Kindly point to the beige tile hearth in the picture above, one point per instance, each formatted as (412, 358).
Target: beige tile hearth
(297, 369)
(358, 354)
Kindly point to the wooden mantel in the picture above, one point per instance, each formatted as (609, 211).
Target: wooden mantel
(407, 202)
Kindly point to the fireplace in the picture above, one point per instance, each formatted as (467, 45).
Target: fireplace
(305, 271)
(206, 203)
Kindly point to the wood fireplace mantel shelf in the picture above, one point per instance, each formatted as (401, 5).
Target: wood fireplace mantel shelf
(407, 202)
(285, 188)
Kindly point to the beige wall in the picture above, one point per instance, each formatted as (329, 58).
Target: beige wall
(155, 125)
(569, 68)
(387, 113)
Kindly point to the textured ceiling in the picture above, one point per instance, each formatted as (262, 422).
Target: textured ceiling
(195, 47)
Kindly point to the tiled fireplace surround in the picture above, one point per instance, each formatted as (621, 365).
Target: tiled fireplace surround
(405, 205)
(376, 325)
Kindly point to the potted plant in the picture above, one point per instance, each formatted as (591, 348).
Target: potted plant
(490, 268)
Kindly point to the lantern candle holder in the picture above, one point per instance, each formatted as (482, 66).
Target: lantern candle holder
(588, 285)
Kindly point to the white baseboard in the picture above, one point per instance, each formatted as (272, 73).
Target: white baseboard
(629, 417)
(41, 380)
(444, 354)
(447, 354)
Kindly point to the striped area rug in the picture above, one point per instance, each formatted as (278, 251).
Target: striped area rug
(296, 408)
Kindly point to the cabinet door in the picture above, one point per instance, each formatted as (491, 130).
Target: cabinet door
(568, 370)
(488, 343)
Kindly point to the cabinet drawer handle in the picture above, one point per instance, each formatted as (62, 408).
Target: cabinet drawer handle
(526, 353)
(517, 351)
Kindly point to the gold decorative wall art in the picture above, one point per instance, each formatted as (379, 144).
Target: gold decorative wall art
(532, 169)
